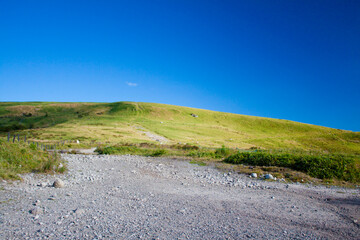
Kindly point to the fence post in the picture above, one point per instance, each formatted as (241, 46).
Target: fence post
(14, 138)
(18, 138)
(25, 139)
(8, 136)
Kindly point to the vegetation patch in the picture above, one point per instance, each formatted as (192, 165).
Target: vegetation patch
(114, 123)
(132, 150)
(154, 150)
(322, 166)
(18, 158)
(197, 163)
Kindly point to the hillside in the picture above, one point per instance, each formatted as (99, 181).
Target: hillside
(131, 122)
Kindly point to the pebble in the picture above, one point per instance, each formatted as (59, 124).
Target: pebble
(79, 211)
(58, 183)
(36, 211)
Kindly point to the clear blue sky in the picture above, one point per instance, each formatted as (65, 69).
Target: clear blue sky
(296, 60)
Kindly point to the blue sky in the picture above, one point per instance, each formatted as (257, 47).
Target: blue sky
(296, 60)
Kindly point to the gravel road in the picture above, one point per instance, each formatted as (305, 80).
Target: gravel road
(132, 197)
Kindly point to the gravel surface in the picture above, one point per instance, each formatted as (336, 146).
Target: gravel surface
(132, 197)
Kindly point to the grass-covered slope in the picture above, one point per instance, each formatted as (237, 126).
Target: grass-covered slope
(18, 158)
(127, 122)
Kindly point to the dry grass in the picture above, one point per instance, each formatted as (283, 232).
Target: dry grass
(69, 105)
(21, 110)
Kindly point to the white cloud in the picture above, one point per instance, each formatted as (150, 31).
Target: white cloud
(130, 84)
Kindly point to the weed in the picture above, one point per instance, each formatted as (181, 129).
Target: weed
(198, 163)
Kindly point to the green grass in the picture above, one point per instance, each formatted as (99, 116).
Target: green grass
(132, 150)
(119, 122)
(200, 163)
(177, 150)
(19, 158)
(318, 165)
(121, 127)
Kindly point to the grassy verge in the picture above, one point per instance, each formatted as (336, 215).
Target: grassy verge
(318, 165)
(18, 158)
(178, 150)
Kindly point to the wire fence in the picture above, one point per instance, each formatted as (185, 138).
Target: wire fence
(41, 145)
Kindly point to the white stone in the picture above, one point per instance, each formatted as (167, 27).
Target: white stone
(36, 211)
(269, 176)
(58, 183)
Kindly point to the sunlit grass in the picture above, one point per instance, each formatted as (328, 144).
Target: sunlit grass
(19, 158)
(120, 122)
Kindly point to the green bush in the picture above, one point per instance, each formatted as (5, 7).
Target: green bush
(119, 150)
(222, 152)
(323, 166)
(201, 154)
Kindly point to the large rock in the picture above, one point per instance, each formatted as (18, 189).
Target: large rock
(269, 176)
(58, 183)
(253, 175)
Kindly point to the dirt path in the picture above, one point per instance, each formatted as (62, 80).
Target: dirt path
(153, 136)
(131, 197)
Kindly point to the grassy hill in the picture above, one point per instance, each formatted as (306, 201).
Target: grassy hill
(128, 121)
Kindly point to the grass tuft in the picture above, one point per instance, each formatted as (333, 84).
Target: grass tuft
(19, 158)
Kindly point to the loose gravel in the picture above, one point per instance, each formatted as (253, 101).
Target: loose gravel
(133, 197)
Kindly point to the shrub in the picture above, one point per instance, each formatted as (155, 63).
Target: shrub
(321, 166)
(222, 152)
(201, 154)
(121, 150)
(158, 152)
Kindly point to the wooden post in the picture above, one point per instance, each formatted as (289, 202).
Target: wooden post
(8, 136)
(14, 138)
(18, 138)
